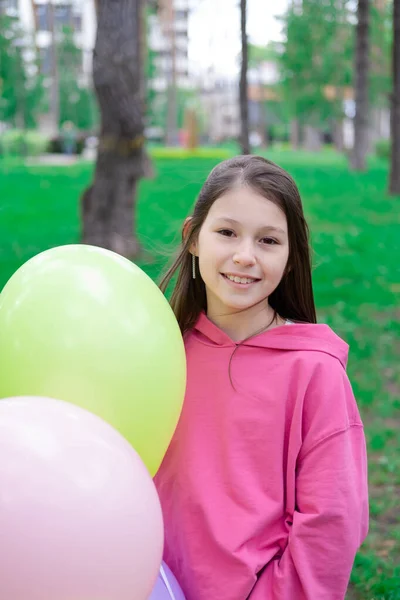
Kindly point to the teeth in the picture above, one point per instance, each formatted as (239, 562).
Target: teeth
(240, 279)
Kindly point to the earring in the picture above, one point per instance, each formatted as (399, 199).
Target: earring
(193, 266)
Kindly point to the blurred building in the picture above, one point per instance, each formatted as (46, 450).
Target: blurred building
(168, 43)
(9, 7)
(220, 101)
(45, 19)
(220, 104)
(168, 38)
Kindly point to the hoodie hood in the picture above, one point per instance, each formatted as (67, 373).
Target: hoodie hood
(296, 336)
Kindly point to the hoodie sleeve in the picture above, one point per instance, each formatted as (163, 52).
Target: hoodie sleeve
(330, 520)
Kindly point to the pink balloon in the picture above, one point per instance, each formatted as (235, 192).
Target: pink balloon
(80, 517)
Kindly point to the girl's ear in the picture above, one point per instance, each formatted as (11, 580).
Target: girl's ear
(186, 228)
(186, 233)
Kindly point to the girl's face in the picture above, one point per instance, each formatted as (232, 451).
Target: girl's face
(243, 250)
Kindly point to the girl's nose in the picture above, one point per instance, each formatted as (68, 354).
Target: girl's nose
(244, 256)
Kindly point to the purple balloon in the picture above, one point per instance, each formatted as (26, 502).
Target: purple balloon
(167, 587)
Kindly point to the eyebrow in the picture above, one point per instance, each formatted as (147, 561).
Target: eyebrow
(265, 228)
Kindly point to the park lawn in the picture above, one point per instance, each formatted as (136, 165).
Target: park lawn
(356, 239)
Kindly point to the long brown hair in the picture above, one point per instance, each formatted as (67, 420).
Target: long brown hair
(293, 298)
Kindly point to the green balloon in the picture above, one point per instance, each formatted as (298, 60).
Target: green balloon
(84, 325)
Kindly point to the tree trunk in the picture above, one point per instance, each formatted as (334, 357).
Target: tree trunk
(55, 75)
(262, 121)
(243, 89)
(295, 134)
(361, 125)
(338, 134)
(108, 204)
(312, 139)
(394, 182)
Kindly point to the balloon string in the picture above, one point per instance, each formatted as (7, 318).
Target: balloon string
(165, 580)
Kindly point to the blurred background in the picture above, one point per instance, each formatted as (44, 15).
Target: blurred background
(113, 113)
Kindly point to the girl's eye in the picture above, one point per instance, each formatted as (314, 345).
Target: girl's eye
(269, 241)
(226, 232)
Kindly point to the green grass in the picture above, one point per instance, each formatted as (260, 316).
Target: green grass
(356, 237)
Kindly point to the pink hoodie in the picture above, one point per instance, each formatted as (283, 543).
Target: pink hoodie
(264, 485)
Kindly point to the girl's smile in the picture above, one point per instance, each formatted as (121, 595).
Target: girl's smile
(243, 281)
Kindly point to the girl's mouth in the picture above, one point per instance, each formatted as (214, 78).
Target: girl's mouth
(239, 280)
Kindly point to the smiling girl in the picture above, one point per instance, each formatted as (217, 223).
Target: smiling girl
(264, 485)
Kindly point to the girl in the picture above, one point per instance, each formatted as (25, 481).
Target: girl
(264, 485)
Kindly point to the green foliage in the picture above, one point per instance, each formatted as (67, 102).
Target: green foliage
(20, 84)
(383, 149)
(275, 112)
(176, 153)
(260, 54)
(77, 102)
(150, 71)
(381, 34)
(17, 142)
(318, 57)
(22, 92)
(317, 53)
(184, 98)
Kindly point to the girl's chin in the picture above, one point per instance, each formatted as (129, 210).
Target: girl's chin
(241, 307)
